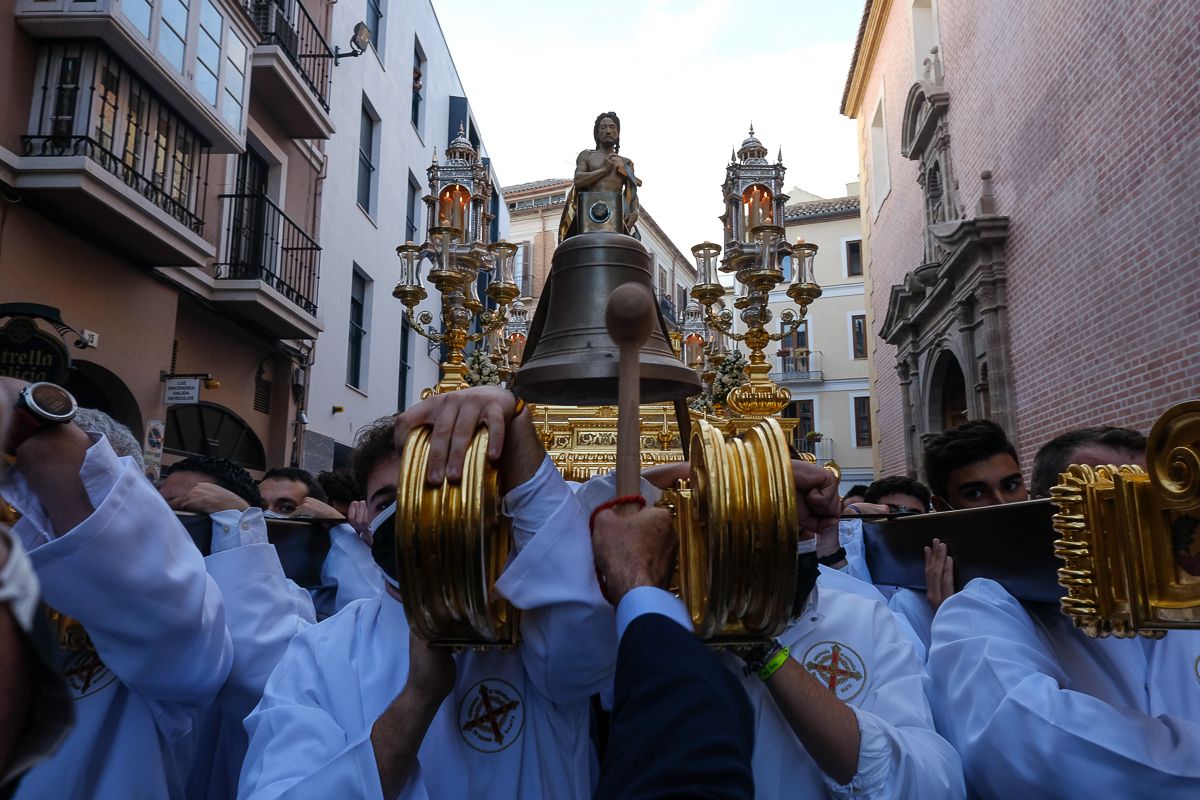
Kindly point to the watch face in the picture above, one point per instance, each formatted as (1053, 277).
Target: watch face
(51, 400)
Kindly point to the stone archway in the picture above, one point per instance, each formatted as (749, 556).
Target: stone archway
(93, 386)
(947, 396)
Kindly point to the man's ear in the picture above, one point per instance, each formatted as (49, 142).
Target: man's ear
(940, 505)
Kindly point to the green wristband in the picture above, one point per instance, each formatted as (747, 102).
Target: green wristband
(772, 666)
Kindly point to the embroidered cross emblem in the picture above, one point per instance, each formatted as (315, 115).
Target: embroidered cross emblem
(838, 667)
(491, 715)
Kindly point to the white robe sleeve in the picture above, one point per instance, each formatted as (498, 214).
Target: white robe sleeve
(264, 611)
(568, 629)
(349, 565)
(131, 576)
(913, 607)
(900, 754)
(850, 536)
(1003, 699)
(299, 750)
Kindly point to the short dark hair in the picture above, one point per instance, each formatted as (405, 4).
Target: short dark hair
(596, 128)
(373, 444)
(228, 475)
(339, 485)
(894, 484)
(857, 489)
(296, 474)
(969, 443)
(1055, 455)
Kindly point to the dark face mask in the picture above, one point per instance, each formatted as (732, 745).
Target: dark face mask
(807, 570)
(383, 546)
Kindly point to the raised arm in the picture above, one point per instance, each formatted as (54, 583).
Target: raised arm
(585, 178)
(118, 561)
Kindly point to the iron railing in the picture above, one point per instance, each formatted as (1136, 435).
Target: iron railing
(799, 366)
(90, 103)
(262, 243)
(288, 24)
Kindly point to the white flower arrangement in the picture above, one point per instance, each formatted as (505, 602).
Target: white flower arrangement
(480, 369)
(730, 375)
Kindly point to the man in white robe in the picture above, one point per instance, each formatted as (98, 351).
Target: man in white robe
(263, 610)
(1036, 707)
(359, 708)
(847, 715)
(111, 555)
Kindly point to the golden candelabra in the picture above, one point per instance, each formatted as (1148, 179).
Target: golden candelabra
(455, 273)
(757, 268)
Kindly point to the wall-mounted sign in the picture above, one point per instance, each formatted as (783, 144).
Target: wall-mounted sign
(152, 448)
(181, 391)
(30, 354)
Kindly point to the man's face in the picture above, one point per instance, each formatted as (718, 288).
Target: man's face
(381, 485)
(607, 131)
(282, 495)
(991, 482)
(177, 484)
(900, 503)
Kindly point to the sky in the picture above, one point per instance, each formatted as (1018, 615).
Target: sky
(686, 79)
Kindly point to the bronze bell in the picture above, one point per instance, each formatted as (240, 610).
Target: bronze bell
(570, 358)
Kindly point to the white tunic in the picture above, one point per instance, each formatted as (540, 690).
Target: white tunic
(854, 646)
(264, 611)
(131, 575)
(515, 725)
(1038, 709)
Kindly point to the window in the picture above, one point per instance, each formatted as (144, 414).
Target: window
(358, 329)
(405, 362)
(804, 413)
(924, 33)
(110, 88)
(66, 93)
(862, 421)
(208, 51)
(418, 87)
(880, 177)
(172, 34)
(235, 80)
(367, 143)
(412, 219)
(853, 258)
(138, 12)
(374, 21)
(523, 269)
(858, 336)
(794, 353)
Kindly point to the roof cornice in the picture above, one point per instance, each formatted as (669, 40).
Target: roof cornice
(870, 31)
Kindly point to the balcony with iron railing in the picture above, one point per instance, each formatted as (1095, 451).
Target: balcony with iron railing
(270, 269)
(798, 366)
(109, 155)
(292, 67)
(172, 49)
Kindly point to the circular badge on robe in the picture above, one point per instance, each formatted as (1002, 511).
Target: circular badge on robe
(86, 674)
(837, 667)
(491, 715)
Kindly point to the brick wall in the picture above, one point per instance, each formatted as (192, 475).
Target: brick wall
(1087, 114)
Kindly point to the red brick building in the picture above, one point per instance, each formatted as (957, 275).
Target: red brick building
(1030, 199)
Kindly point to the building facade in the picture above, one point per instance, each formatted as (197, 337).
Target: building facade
(824, 363)
(1026, 217)
(160, 184)
(535, 210)
(396, 107)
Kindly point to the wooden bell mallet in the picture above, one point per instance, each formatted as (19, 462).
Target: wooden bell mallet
(629, 318)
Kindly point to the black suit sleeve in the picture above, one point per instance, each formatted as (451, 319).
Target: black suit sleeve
(681, 723)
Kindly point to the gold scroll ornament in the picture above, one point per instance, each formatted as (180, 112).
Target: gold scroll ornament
(736, 519)
(1130, 538)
